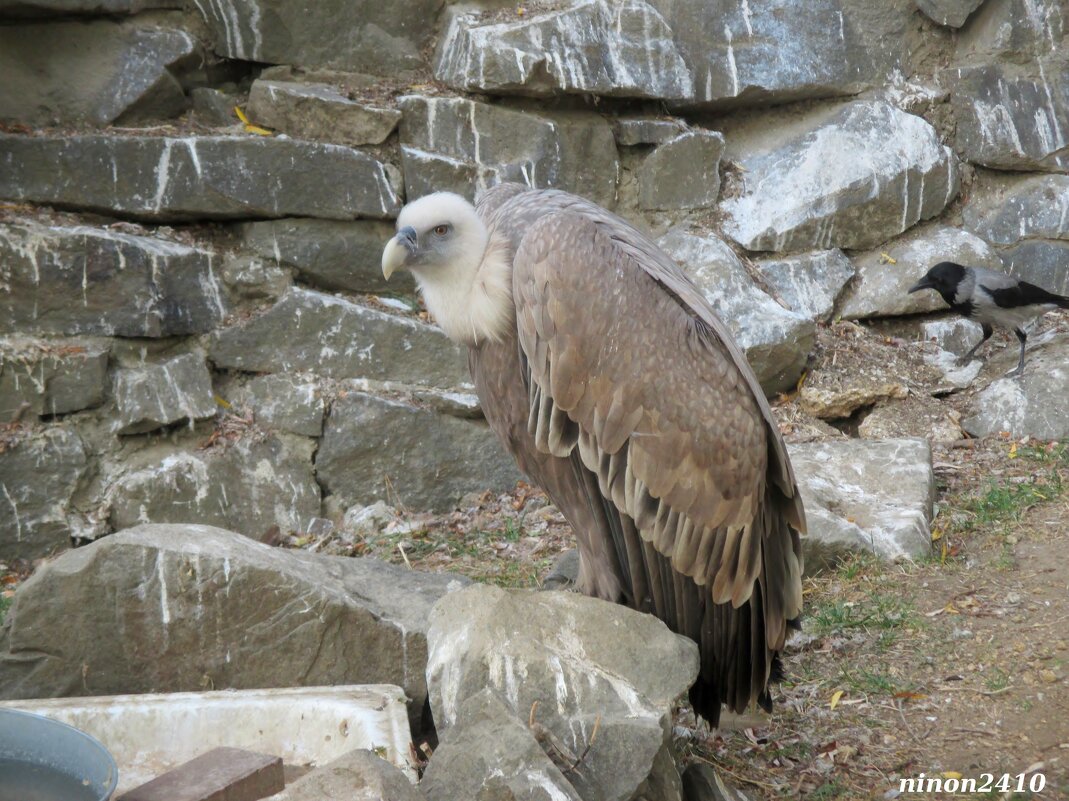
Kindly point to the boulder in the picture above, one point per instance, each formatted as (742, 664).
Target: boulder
(1013, 118)
(891, 171)
(186, 607)
(582, 659)
(254, 278)
(57, 279)
(776, 341)
(682, 173)
(631, 131)
(1032, 207)
(156, 395)
(353, 35)
(885, 275)
(490, 753)
(1040, 262)
(1030, 405)
(329, 254)
(96, 72)
(359, 775)
(284, 403)
(870, 495)
(27, 8)
(623, 49)
(809, 284)
(221, 177)
(214, 108)
(462, 145)
(375, 449)
(1014, 31)
(919, 415)
(319, 111)
(952, 13)
(249, 486)
(49, 377)
(340, 339)
(39, 472)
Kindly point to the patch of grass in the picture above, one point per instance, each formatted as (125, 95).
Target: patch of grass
(827, 791)
(857, 565)
(998, 680)
(876, 612)
(871, 681)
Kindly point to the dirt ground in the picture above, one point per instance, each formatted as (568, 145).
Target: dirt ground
(955, 665)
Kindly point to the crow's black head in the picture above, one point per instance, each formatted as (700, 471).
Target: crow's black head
(943, 278)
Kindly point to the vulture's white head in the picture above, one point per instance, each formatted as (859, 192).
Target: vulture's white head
(465, 282)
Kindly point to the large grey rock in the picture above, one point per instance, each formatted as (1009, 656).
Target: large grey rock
(623, 49)
(50, 377)
(308, 330)
(374, 449)
(581, 659)
(489, 753)
(1013, 31)
(155, 395)
(94, 72)
(1030, 405)
(285, 403)
(952, 13)
(683, 173)
(168, 178)
(890, 171)
(776, 341)
(1013, 118)
(247, 486)
(81, 280)
(359, 775)
(811, 283)
(319, 111)
(646, 130)
(1040, 262)
(463, 145)
(882, 285)
(184, 607)
(328, 253)
(38, 475)
(1032, 207)
(354, 35)
(870, 495)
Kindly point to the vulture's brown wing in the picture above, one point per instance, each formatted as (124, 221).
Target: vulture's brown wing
(629, 366)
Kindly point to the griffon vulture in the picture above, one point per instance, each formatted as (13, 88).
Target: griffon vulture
(608, 376)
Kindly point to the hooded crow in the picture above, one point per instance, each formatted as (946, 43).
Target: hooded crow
(990, 298)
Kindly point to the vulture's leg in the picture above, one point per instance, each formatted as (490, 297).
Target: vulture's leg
(988, 331)
(1023, 337)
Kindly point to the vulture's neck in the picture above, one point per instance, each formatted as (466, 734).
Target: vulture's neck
(471, 299)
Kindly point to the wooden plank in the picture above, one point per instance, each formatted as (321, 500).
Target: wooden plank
(222, 774)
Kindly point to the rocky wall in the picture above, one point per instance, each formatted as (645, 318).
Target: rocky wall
(193, 325)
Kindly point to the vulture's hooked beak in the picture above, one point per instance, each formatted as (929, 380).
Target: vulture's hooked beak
(924, 283)
(397, 251)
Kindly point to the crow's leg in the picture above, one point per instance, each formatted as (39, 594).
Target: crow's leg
(1021, 335)
(988, 331)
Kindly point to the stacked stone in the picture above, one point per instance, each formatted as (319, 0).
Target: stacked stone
(193, 327)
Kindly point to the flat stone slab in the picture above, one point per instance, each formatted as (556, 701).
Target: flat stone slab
(809, 284)
(248, 486)
(196, 177)
(38, 475)
(91, 72)
(82, 280)
(179, 607)
(340, 339)
(951, 13)
(868, 495)
(319, 111)
(776, 341)
(375, 449)
(157, 395)
(328, 253)
(1032, 404)
(891, 171)
(886, 274)
(463, 145)
(50, 376)
(284, 402)
(360, 775)
(682, 173)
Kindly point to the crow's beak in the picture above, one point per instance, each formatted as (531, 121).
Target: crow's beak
(924, 283)
(397, 251)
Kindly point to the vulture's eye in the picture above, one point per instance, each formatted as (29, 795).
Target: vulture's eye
(441, 230)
